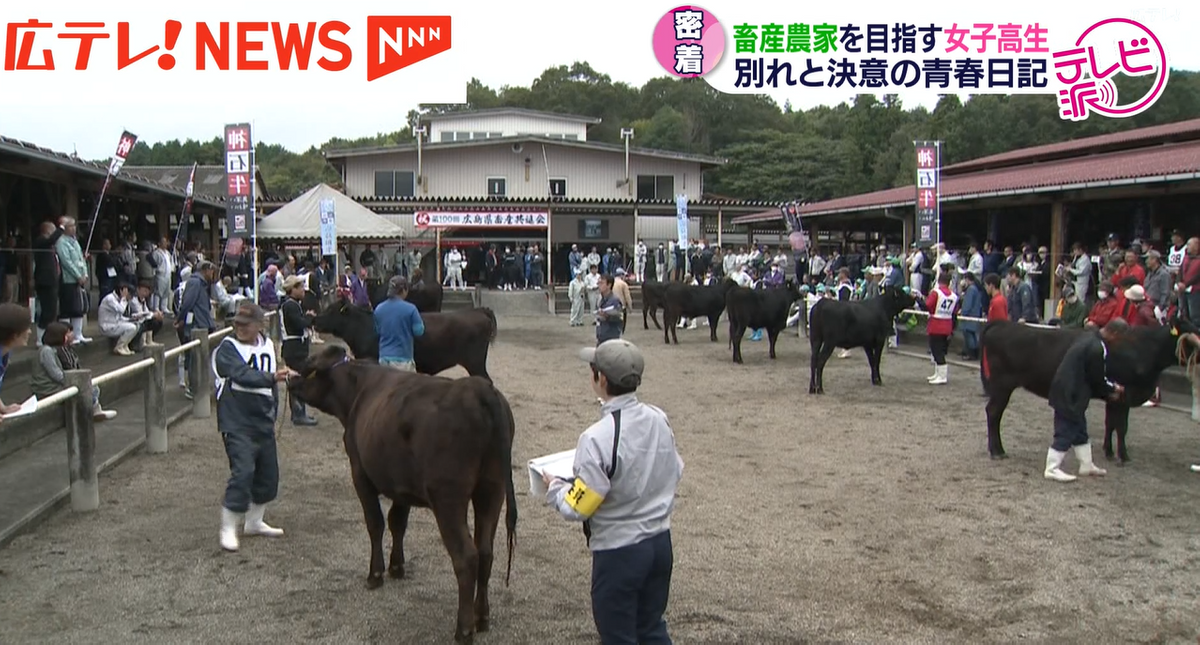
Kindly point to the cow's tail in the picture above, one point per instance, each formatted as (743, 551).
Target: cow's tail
(985, 370)
(504, 423)
(492, 318)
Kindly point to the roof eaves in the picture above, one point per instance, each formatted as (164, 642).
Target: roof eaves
(590, 120)
(343, 153)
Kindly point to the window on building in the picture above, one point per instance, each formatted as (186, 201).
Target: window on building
(495, 135)
(655, 187)
(571, 137)
(395, 183)
(496, 186)
(558, 187)
(479, 135)
(447, 137)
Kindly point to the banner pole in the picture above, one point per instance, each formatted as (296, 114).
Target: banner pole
(96, 212)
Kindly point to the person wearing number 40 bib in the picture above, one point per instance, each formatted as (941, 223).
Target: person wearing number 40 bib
(626, 472)
(942, 305)
(247, 404)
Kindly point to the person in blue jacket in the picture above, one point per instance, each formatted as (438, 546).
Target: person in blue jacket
(972, 307)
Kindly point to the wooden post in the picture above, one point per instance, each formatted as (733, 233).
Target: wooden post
(155, 397)
(81, 442)
(720, 226)
(1058, 234)
(198, 376)
(437, 253)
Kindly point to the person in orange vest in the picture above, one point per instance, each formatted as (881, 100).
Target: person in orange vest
(942, 305)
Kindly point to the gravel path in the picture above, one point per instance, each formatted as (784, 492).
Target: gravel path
(868, 515)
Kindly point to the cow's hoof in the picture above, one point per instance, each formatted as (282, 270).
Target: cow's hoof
(374, 581)
(396, 571)
(998, 456)
(1108, 456)
(482, 625)
(465, 638)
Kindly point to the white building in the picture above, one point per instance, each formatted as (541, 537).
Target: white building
(512, 160)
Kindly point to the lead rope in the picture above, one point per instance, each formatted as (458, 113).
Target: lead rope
(1191, 363)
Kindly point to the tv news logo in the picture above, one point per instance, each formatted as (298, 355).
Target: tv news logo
(393, 43)
(408, 39)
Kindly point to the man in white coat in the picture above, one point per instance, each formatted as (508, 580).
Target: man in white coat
(639, 261)
(916, 279)
(454, 267)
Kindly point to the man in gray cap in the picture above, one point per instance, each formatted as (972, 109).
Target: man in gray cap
(624, 491)
(398, 323)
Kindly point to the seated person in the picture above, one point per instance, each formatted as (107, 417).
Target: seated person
(227, 302)
(1072, 312)
(115, 323)
(55, 357)
(146, 311)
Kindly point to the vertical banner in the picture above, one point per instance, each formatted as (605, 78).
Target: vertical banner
(185, 216)
(929, 195)
(328, 228)
(124, 147)
(239, 174)
(797, 238)
(681, 220)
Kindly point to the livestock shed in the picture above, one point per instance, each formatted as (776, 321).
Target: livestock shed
(1140, 183)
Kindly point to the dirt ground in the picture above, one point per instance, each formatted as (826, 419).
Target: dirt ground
(868, 515)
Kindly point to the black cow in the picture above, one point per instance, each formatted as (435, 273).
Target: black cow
(848, 324)
(454, 338)
(1018, 356)
(424, 441)
(758, 309)
(653, 294)
(426, 298)
(691, 301)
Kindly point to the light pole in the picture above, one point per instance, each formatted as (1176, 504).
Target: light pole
(419, 133)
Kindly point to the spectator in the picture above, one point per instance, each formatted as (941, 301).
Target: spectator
(1072, 313)
(1021, 304)
(1158, 282)
(1112, 257)
(1176, 253)
(163, 262)
(576, 294)
(592, 286)
(108, 265)
(195, 310)
(47, 275)
(608, 313)
(972, 307)
(621, 290)
(268, 289)
(14, 332)
(147, 312)
(997, 303)
(1188, 286)
(72, 295)
(10, 270)
(1140, 311)
(1108, 306)
(1079, 273)
(1131, 268)
(115, 322)
(56, 357)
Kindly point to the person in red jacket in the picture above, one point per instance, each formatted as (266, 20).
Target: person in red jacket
(997, 303)
(942, 305)
(1131, 268)
(1108, 306)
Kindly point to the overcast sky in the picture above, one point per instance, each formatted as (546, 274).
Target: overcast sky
(86, 111)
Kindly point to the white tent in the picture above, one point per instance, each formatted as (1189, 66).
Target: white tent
(300, 219)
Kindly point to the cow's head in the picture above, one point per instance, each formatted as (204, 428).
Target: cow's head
(324, 382)
(897, 299)
(338, 317)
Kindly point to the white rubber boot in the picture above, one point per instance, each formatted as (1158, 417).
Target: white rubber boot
(794, 319)
(100, 414)
(1054, 471)
(1086, 467)
(845, 353)
(229, 528)
(40, 332)
(939, 375)
(255, 524)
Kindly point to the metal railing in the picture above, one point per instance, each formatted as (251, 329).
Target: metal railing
(80, 419)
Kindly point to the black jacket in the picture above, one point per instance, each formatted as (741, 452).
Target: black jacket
(46, 272)
(1080, 377)
(295, 323)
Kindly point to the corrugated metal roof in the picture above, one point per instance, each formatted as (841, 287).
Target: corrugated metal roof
(590, 120)
(210, 180)
(1137, 138)
(432, 146)
(1160, 163)
(128, 174)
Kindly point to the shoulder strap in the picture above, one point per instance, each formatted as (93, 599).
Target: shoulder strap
(612, 468)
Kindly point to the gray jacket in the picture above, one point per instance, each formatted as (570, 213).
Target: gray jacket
(1158, 287)
(46, 377)
(636, 503)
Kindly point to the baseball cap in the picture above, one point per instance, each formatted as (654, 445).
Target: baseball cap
(618, 360)
(249, 313)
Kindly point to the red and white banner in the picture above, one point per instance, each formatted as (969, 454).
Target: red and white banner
(480, 219)
(124, 147)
